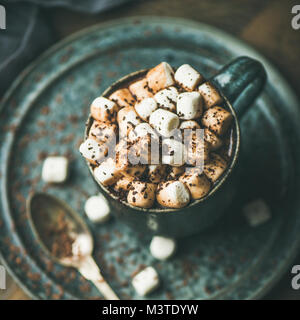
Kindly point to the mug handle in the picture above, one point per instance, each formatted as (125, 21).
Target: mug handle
(241, 81)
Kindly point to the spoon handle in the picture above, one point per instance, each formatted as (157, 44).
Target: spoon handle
(89, 270)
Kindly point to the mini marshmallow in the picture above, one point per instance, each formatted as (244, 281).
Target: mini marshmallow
(124, 183)
(123, 98)
(167, 98)
(162, 248)
(102, 132)
(55, 169)
(198, 185)
(147, 148)
(145, 108)
(127, 119)
(257, 212)
(164, 122)
(213, 140)
(217, 120)
(142, 194)
(156, 173)
(196, 149)
(188, 77)
(97, 209)
(133, 170)
(189, 105)
(107, 173)
(175, 172)
(160, 77)
(210, 95)
(173, 152)
(141, 130)
(189, 124)
(145, 281)
(82, 246)
(215, 167)
(128, 159)
(140, 89)
(93, 151)
(102, 109)
(173, 194)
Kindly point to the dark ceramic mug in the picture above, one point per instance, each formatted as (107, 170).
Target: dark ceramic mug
(239, 83)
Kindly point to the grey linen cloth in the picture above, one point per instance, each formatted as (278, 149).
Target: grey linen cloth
(28, 32)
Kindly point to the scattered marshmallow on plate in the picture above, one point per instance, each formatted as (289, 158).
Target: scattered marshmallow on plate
(145, 281)
(55, 169)
(162, 248)
(97, 209)
(257, 212)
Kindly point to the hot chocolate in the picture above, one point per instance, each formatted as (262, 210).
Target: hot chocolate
(163, 140)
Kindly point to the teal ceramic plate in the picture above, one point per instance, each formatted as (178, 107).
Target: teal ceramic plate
(44, 114)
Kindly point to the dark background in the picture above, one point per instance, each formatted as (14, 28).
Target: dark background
(264, 24)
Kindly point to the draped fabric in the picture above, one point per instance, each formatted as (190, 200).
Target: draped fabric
(28, 31)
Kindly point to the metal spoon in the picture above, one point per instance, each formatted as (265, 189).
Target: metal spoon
(66, 238)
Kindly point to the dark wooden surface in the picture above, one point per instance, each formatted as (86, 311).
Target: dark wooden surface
(265, 24)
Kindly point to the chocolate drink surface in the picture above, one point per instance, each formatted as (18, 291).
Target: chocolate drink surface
(178, 127)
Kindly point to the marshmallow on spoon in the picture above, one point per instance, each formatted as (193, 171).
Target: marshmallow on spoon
(145, 281)
(140, 89)
(123, 98)
(217, 120)
(164, 122)
(188, 77)
(167, 98)
(210, 95)
(162, 248)
(103, 109)
(97, 209)
(93, 151)
(160, 77)
(142, 194)
(145, 107)
(189, 105)
(173, 194)
(55, 169)
(82, 246)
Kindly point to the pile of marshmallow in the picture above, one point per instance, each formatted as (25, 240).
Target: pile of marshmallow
(148, 109)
